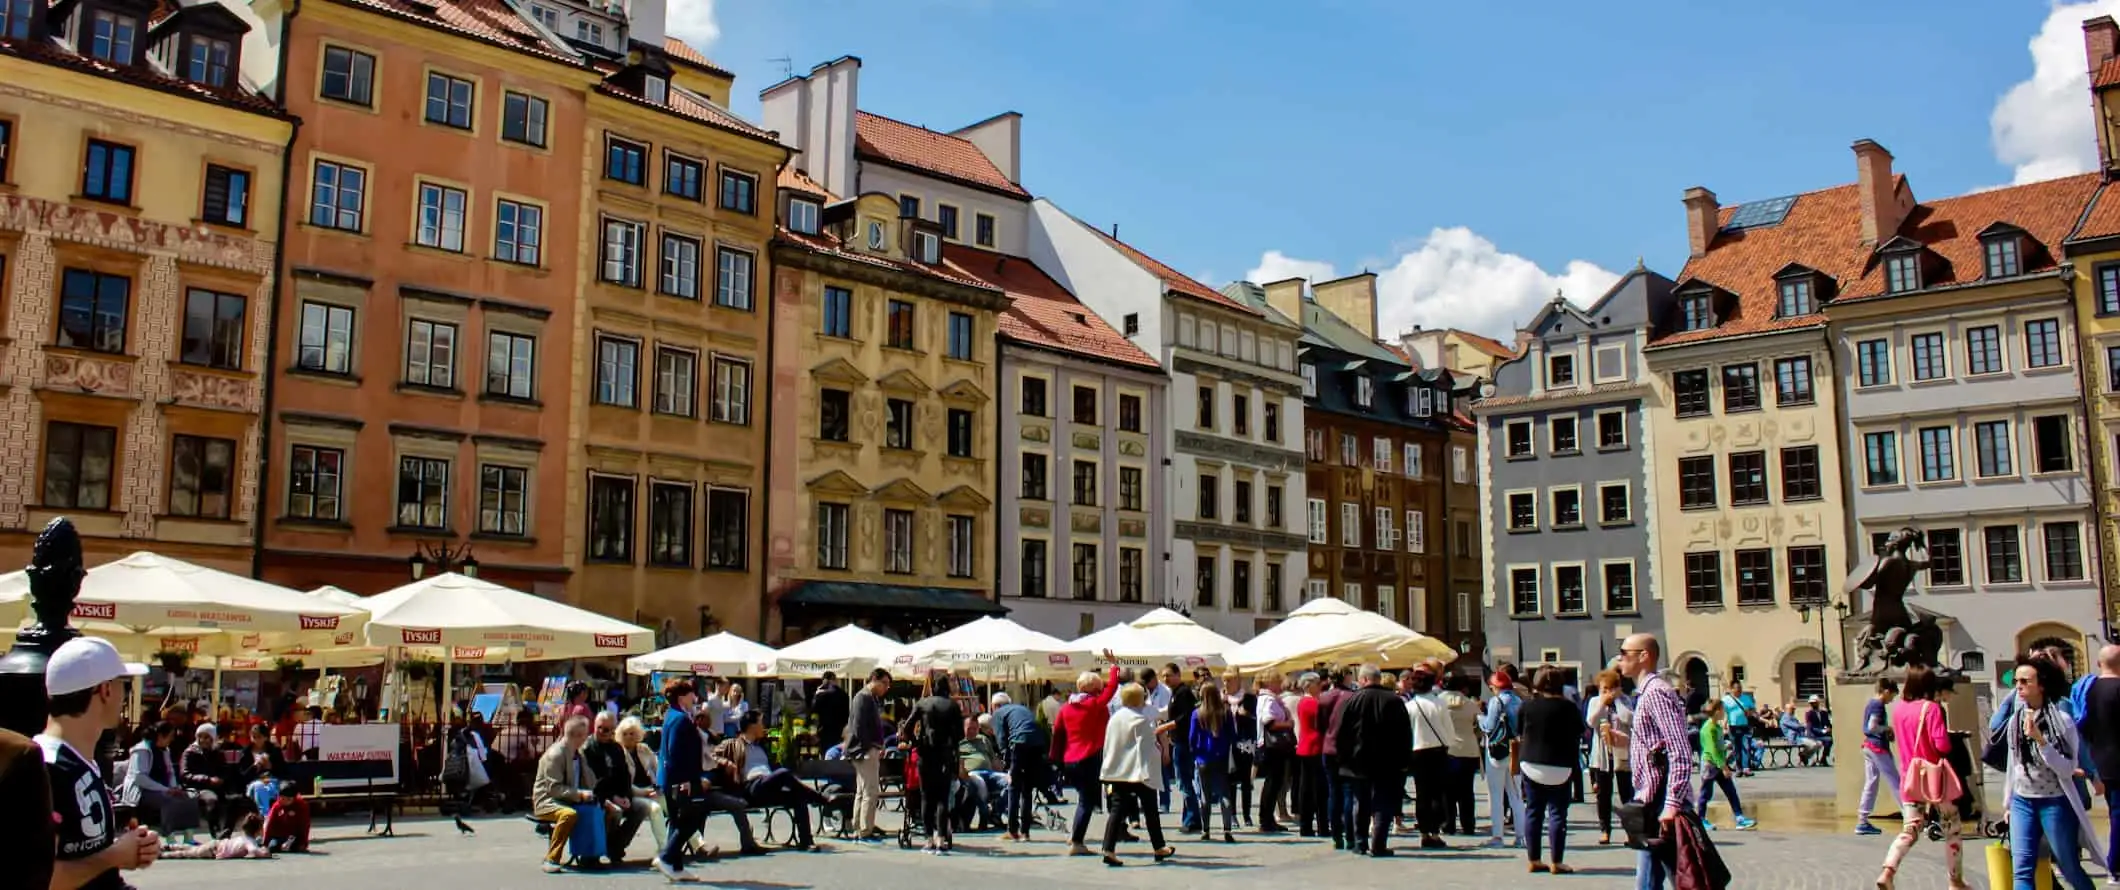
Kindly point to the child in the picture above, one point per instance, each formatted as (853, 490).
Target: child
(1715, 768)
(264, 790)
(287, 824)
(248, 843)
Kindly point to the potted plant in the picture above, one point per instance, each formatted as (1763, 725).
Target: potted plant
(288, 667)
(417, 669)
(173, 661)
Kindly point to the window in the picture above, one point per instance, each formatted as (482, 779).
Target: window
(834, 415)
(1928, 357)
(963, 544)
(94, 311)
(1983, 350)
(1619, 587)
(1799, 474)
(448, 101)
(832, 537)
(960, 337)
(1240, 414)
(803, 215)
(1562, 431)
(1518, 441)
(1902, 273)
(327, 339)
(1614, 503)
(1130, 413)
(349, 75)
(423, 493)
(1365, 391)
(226, 198)
(1704, 579)
(2005, 564)
(503, 500)
(1319, 531)
(616, 364)
(1748, 478)
(960, 432)
(1130, 488)
(2051, 449)
(1690, 391)
(1032, 569)
(77, 465)
(336, 196)
(1567, 507)
(1207, 407)
(838, 312)
(1569, 597)
(1946, 557)
(1560, 370)
(1350, 450)
(313, 482)
(1085, 482)
(1792, 381)
(1523, 511)
(1310, 381)
(1131, 323)
(1991, 448)
(1204, 581)
(680, 266)
(14, 19)
(1612, 429)
(729, 529)
(1807, 575)
(983, 230)
(1034, 476)
(1130, 574)
(107, 174)
(1755, 577)
(622, 246)
(683, 176)
(523, 118)
(1240, 501)
(669, 524)
(676, 371)
(114, 37)
(1796, 298)
(1740, 387)
(1696, 482)
(1414, 468)
(1938, 461)
(1873, 363)
(1419, 402)
(738, 191)
(2064, 551)
(1380, 454)
(1032, 396)
(589, 31)
(1523, 591)
(430, 354)
(625, 161)
(213, 329)
(898, 424)
(518, 232)
(947, 216)
(2002, 256)
(1085, 565)
(898, 325)
(1460, 465)
(732, 391)
(733, 281)
(2042, 343)
(1696, 313)
(201, 476)
(7, 128)
(1880, 458)
(1210, 492)
(441, 218)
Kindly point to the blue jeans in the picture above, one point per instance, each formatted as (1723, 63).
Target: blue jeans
(2112, 837)
(1339, 803)
(1189, 803)
(1712, 776)
(2048, 819)
(1214, 787)
(1545, 807)
(1744, 753)
(1650, 872)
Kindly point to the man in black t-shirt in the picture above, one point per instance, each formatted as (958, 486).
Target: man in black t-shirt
(84, 681)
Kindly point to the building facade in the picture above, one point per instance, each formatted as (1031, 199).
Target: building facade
(1236, 478)
(667, 451)
(1568, 469)
(2094, 250)
(139, 213)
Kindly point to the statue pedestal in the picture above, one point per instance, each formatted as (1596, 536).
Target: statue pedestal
(1850, 693)
(23, 703)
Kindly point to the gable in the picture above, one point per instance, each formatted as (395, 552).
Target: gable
(905, 381)
(901, 491)
(965, 391)
(837, 482)
(839, 370)
(963, 496)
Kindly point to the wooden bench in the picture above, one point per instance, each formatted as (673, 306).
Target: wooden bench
(381, 798)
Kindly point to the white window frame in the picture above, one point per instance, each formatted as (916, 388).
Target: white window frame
(1583, 574)
(1413, 460)
(1314, 589)
(1386, 593)
(1597, 353)
(731, 401)
(1350, 524)
(620, 262)
(1598, 429)
(1604, 590)
(1351, 593)
(1509, 429)
(1509, 512)
(1460, 465)
(1416, 532)
(1553, 512)
(1575, 375)
(1384, 530)
(1382, 446)
(1553, 443)
(1320, 530)
(1508, 591)
(1365, 391)
(679, 273)
(441, 226)
(676, 381)
(1622, 485)
(1310, 380)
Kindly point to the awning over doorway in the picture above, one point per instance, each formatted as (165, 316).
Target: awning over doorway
(853, 595)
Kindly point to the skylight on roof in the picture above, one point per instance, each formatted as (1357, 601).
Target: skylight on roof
(1760, 214)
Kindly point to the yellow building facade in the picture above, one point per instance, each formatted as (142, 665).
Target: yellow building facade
(2095, 251)
(138, 218)
(668, 449)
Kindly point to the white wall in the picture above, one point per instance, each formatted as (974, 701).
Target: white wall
(1099, 275)
(1011, 216)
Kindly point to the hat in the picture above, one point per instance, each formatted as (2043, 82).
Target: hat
(1501, 681)
(86, 663)
(1815, 699)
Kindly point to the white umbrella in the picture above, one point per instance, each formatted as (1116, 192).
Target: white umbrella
(721, 655)
(341, 596)
(995, 646)
(845, 651)
(1333, 632)
(474, 619)
(1170, 636)
(150, 594)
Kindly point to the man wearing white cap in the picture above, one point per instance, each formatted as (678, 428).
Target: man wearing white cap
(84, 681)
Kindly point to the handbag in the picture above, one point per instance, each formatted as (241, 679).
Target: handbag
(1996, 752)
(1638, 819)
(1932, 781)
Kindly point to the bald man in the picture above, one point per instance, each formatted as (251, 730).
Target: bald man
(2101, 732)
(1660, 753)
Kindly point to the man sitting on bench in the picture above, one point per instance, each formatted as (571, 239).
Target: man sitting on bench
(750, 768)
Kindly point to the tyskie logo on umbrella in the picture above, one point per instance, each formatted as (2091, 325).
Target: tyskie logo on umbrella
(319, 622)
(611, 641)
(468, 653)
(105, 611)
(422, 636)
(1059, 660)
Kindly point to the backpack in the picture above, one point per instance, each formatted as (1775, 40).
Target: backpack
(456, 768)
(1504, 736)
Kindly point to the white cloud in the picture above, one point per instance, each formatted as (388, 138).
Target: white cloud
(1456, 278)
(2042, 126)
(692, 21)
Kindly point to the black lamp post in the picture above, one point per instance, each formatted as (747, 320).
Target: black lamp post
(55, 574)
(1819, 607)
(442, 558)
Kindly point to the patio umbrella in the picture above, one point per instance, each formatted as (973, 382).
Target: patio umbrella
(995, 647)
(1333, 632)
(846, 651)
(473, 620)
(1166, 636)
(147, 594)
(721, 655)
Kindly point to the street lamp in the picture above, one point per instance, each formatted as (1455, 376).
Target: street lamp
(1806, 609)
(442, 558)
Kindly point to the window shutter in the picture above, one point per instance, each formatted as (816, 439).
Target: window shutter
(216, 194)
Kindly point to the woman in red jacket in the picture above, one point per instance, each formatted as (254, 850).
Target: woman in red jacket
(1078, 745)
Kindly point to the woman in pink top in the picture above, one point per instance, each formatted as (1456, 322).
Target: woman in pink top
(1919, 731)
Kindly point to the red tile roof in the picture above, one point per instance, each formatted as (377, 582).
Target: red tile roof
(683, 52)
(792, 179)
(142, 75)
(492, 21)
(1173, 280)
(2103, 218)
(1043, 313)
(830, 246)
(1485, 344)
(919, 148)
(1951, 228)
(2107, 74)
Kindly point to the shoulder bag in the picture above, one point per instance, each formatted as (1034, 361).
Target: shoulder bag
(1644, 830)
(1932, 781)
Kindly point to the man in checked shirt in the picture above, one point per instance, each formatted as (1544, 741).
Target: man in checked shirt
(1659, 734)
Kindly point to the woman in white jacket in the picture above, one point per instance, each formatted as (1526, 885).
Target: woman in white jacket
(1133, 766)
(1611, 720)
(642, 762)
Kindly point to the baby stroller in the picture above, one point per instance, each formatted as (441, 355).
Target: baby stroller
(913, 825)
(1972, 807)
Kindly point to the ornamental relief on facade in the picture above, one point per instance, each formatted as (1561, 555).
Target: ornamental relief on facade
(900, 459)
(1037, 433)
(66, 370)
(865, 526)
(1086, 521)
(1036, 517)
(213, 391)
(1088, 441)
(1132, 446)
(82, 225)
(1133, 528)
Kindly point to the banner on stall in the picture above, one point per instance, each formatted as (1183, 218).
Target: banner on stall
(357, 741)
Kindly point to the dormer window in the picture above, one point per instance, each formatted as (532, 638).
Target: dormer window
(2005, 256)
(14, 19)
(589, 32)
(207, 60)
(655, 89)
(1310, 380)
(1696, 312)
(908, 207)
(1560, 370)
(928, 246)
(802, 216)
(1365, 391)
(1902, 273)
(1797, 298)
(114, 37)
(876, 236)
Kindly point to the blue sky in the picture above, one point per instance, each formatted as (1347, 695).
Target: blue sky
(1475, 155)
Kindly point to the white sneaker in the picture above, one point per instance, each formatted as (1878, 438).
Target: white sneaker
(675, 875)
(552, 868)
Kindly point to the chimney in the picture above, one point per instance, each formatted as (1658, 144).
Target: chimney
(1881, 212)
(1000, 138)
(2101, 41)
(1703, 215)
(1286, 297)
(815, 116)
(1353, 299)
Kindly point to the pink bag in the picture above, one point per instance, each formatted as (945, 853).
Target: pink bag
(1931, 782)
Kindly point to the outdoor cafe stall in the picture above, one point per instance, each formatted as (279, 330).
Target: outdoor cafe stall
(1158, 638)
(1331, 632)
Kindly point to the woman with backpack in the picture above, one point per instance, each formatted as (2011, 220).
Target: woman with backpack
(1498, 726)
